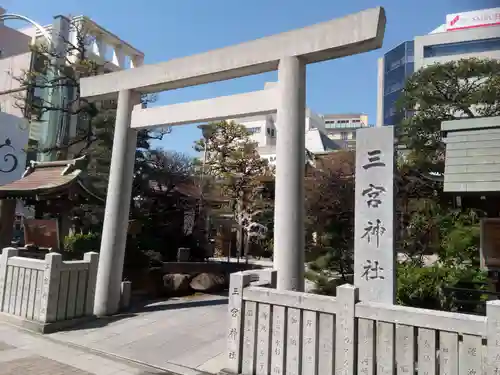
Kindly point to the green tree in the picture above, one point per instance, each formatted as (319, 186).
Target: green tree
(429, 224)
(329, 202)
(52, 85)
(458, 89)
(231, 158)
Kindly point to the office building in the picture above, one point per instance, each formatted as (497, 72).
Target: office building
(464, 35)
(395, 68)
(342, 127)
(464, 38)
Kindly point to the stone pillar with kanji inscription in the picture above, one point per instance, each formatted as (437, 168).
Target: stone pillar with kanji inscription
(374, 254)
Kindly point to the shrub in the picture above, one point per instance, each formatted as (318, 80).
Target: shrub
(428, 287)
(332, 260)
(461, 246)
(322, 283)
(78, 244)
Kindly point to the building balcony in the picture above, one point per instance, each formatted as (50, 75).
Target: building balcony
(104, 47)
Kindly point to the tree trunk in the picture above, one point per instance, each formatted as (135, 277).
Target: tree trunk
(247, 247)
(7, 216)
(240, 241)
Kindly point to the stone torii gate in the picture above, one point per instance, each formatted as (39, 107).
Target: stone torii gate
(289, 53)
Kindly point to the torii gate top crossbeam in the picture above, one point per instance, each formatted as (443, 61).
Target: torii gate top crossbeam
(352, 34)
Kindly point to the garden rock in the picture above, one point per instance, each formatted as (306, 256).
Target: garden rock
(177, 283)
(208, 282)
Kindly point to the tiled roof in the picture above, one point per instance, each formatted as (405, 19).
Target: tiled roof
(44, 178)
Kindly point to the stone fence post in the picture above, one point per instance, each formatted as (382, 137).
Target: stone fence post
(238, 281)
(50, 287)
(7, 253)
(493, 337)
(92, 258)
(345, 331)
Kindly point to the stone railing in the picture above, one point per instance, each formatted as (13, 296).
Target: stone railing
(284, 332)
(46, 295)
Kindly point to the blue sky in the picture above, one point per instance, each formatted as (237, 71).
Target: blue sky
(165, 29)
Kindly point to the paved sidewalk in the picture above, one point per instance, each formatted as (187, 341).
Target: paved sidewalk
(182, 335)
(25, 353)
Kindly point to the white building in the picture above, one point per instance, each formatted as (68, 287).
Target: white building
(342, 127)
(17, 56)
(464, 35)
(263, 130)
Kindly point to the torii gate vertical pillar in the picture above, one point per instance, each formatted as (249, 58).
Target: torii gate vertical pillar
(289, 232)
(114, 231)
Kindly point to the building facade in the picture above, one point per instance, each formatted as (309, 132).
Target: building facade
(464, 35)
(16, 57)
(342, 127)
(479, 42)
(396, 66)
(263, 130)
(20, 131)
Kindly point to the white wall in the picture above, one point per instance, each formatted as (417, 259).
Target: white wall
(13, 42)
(12, 66)
(13, 142)
(314, 121)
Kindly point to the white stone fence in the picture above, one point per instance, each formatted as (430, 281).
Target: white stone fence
(46, 295)
(285, 332)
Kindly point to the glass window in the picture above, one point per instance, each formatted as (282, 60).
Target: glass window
(471, 46)
(344, 136)
(36, 106)
(40, 63)
(394, 57)
(410, 49)
(31, 154)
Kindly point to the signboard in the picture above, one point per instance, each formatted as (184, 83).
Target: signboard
(490, 243)
(470, 20)
(374, 255)
(13, 142)
(43, 233)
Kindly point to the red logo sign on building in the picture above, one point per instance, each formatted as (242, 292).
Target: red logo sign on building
(474, 19)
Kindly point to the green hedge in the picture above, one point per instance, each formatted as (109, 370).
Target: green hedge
(427, 287)
(78, 244)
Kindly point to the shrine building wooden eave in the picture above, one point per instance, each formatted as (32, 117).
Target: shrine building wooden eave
(186, 190)
(51, 180)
